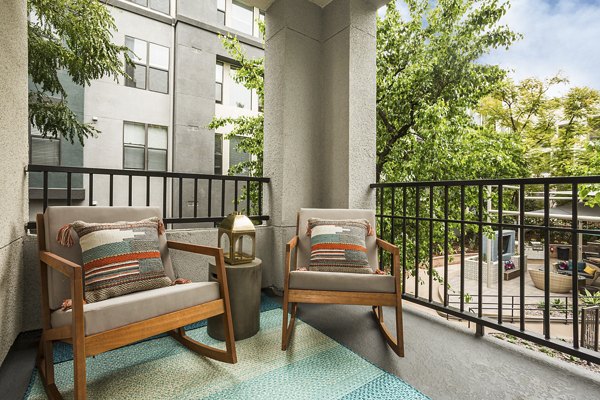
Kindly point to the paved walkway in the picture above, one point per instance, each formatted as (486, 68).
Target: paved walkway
(510, 299)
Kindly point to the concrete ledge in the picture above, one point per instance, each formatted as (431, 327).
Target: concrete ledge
(445, 360)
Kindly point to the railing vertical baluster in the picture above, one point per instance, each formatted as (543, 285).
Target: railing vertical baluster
(223, 197)
(522, 258)
(480, 260)
(45, 191)
(209, 197)
(393, 222)
(596, 328)
(110, 189)
(381, 208)
(446, 246)
(235, 195)
(462, 248)
(547, 261)
(417, 219)
(69, 187)
(180, 197)
(164, 197)
(91, 189)
(148, 191)
(195, 197)
(500, 253)
(130, 192)
(430, 272)
(260, 198)
(248, 197)
(575, 258)
(404, 240)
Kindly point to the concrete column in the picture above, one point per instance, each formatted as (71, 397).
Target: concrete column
(319, 110)
(13, 159)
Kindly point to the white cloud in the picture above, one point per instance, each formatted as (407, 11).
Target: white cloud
(559, 35)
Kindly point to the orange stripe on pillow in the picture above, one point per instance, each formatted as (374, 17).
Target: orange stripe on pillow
(121, 258)
(338, 246)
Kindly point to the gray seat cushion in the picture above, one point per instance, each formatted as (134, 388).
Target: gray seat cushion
(124, 310)
(341, 282)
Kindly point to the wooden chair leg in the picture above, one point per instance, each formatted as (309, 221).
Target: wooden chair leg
(45, 364)
(397, 342)
(399, 328)
(286, 329)
(79, 367)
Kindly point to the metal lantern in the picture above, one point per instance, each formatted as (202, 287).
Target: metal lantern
(237, 237)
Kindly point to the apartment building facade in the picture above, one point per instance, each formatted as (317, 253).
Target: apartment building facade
(158, 118)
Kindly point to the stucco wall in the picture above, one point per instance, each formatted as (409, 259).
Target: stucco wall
(13, 159)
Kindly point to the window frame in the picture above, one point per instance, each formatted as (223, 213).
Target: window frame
(148, 6)
(252, 21)
(33, 136)
(222, 64)
(148, 66)
(145, 147)
(232, 68)
(222, 11)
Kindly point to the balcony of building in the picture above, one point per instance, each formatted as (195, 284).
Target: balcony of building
(458, 299)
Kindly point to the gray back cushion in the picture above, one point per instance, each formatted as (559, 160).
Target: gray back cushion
(332, 213)
(56, 217)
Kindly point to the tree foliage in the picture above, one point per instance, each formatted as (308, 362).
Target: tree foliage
(74, 36)
(428, 78)
(559, 133)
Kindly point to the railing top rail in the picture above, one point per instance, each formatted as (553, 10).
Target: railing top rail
(128, 172)
(487, 182)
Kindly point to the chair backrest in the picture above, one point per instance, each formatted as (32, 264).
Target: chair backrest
(303, 248)
(56, 217)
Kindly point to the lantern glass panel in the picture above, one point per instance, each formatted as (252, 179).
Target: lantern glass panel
(244, 247)
(225, 244)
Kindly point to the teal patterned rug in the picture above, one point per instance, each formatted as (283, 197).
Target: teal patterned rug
(314, 367)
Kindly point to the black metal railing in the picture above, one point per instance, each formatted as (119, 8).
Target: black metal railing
(452, 217)
(220, 193)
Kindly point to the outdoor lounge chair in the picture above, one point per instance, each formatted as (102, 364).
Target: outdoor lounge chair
(338, 287)
(101, 326)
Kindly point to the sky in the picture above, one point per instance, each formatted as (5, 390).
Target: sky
(558, 36)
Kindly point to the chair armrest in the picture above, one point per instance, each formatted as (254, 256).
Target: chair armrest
(291, 244)
(60, 264)
(288, 261)
(387, 246)
(194, 248)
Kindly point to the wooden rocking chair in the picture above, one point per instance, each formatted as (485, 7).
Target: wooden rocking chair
(338, 287)
(109, 324)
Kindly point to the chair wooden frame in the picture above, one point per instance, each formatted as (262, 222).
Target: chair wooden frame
(84, 346)
(291, 298)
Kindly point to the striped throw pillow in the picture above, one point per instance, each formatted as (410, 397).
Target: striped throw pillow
(339, 245)
(119, 258)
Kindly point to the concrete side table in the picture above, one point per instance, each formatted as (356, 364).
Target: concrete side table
(244, 281)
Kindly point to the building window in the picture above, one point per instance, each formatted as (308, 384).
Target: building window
(151, 65)
(242, 18)
(218, 154)
(162, 6)
(236, 157)
(221, 11)
(219, 83)
(144, 146)
(44, 150)
(239, 95)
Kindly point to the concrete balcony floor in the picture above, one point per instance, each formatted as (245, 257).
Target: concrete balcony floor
(444, 359)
